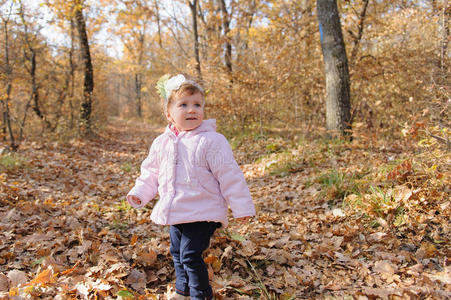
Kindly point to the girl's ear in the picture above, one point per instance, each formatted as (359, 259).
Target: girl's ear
(168, 116)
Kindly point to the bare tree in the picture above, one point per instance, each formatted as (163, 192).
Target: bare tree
(228, 44)
(88, 86)
(158, 17)
(358, 36)
(193, 7)
(7, 129)
(30, 53)
(246, 20)
(338, 108)
(446, 13)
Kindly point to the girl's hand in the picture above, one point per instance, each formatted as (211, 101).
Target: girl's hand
(243, 220)
(135, 200)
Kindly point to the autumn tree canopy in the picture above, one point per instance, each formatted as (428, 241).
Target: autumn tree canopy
(261, 61)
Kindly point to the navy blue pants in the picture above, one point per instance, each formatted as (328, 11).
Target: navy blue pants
(188, 242)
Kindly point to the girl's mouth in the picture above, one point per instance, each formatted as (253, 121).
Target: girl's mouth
(191, 119)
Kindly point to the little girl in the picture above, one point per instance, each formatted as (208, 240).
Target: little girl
(192, 168)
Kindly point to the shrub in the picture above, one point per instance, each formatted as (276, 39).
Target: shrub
(11, 161)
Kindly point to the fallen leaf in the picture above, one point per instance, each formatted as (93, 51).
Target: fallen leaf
(337, 212)
(248, 248)
(444, 277)
(43, 278)
(147, 257)
(137, 280)
(17, 278)
(290, 280)
(82, 290)
(227, 252)
(4, 283)
(384, 267)
(133, 240)
(382, 293)
(99, 285)
(402, 194)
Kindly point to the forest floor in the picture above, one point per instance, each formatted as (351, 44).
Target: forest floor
(335, 220)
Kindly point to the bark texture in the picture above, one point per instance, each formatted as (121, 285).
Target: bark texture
(193, 6)
(338, 108)
(88, 86)
(228, 44)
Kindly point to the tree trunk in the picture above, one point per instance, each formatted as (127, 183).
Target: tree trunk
(139, 73)
(338, 115)
(32, 71)
(157, 13)
(193, 6)
(88, 87)
(228, 44)
(252, 11)
(138, 87)
(72, 72)
(5, 102)
(446, 12)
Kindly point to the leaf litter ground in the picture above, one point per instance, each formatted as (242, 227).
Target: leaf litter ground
(66, 231)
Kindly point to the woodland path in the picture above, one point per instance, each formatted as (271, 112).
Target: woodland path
(66, 230)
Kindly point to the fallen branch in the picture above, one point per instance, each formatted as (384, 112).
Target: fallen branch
(440, 139)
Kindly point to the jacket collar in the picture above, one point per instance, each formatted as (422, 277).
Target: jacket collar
(206, 125)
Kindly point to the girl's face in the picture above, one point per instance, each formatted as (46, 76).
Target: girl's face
(186, 112)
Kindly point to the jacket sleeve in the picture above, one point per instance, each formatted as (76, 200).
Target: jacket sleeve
(146, 185)
(231, 180)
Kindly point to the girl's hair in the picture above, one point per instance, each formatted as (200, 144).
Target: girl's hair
(190, 87)
(185, 89)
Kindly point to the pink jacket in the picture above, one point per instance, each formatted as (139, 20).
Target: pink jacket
(195, 175)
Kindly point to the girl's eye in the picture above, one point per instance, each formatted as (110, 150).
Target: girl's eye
(197, 105)
(183, 105)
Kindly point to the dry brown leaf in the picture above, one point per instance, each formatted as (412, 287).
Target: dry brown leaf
(378, 236)
(290, 279)
(270, 270)
(248, 248)
(402, 194)
(227, 252)
(137, 280)
(133, 239)
(385, 267)
(444, 277)
(83, 248)
(429, 249)
(383, 293)
(147, 257)
(4, 283)
(90, 237)
(17, 278)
